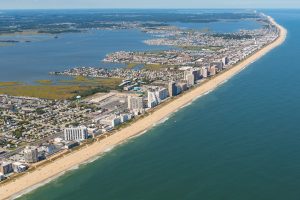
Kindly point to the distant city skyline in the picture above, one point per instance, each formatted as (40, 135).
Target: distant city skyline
(77, 4)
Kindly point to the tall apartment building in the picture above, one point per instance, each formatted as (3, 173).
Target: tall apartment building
(6, 167)
(162, 93)
(225, 61)
(219, 65)
(191, 76)
(135, 103)
(172, 89)
(155, 96)
(212, 70)
(152, 99)
(31, 154)
(183, 86)
(204, 72)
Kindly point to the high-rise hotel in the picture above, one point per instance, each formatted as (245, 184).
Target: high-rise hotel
(76, 134)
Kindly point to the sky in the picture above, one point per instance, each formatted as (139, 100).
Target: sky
(62, 4)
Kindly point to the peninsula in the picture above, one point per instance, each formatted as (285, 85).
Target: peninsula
(63, 163)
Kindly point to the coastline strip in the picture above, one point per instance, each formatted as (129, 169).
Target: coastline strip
(65, 163)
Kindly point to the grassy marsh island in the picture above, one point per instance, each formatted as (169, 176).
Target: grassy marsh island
(65, 89)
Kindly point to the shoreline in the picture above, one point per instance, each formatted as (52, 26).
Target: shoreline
(45, 174)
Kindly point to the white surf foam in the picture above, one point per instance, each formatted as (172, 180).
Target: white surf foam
(206, 93)
(186, 105)
(109, 149)
(92, 160)
(139, 134)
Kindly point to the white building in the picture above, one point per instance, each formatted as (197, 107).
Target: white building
(212, 70)
(58, 140)
(204, 72)
(19, 167)
(125, 117)
(76, 134)
(190, 78)
(135, 103)
(156, 96)
(31, 154)
(111, 120)
(152, 99)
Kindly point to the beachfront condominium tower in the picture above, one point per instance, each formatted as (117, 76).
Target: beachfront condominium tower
(76, 134)
(204, 72)
(172, 89)
(31, 154)
(161, 93)
(190, 78)
(135, 103)
(152, 99)
(212, 70)
(6, 167)
(225, 61)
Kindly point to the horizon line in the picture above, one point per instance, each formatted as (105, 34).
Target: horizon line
(108, 8)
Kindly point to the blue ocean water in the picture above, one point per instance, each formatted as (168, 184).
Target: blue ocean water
(241, 141)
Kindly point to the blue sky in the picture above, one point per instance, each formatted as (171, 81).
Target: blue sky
(27, 4)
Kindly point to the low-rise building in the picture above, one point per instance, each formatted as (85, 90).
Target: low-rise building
(19, 167)
(2, 177)
(125, 117)
(72, 144)
(111, 120)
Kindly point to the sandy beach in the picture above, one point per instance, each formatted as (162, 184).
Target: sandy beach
(65, 163)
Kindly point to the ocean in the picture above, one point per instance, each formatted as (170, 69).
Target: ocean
(241, 141)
